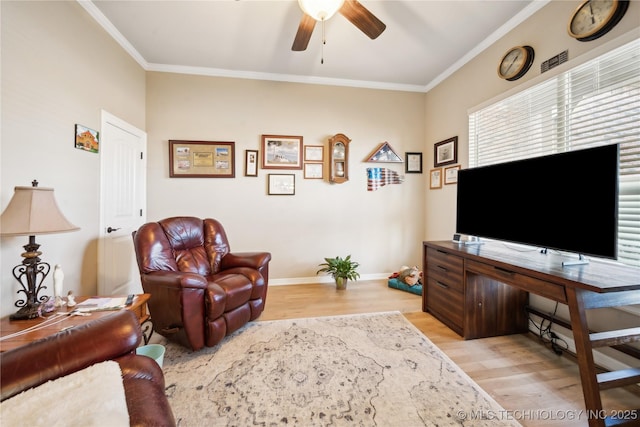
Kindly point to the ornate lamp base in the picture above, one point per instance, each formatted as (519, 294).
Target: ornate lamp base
(30, 274)
(29, 311)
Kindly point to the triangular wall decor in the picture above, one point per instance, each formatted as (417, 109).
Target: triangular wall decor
(384, 154)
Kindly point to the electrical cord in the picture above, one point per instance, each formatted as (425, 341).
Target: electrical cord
(557, 344)
(58, 317)
(50, 321)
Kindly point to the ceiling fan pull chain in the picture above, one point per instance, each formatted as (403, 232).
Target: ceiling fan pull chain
(324, 41)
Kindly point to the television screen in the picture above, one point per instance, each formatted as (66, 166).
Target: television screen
(566, 201)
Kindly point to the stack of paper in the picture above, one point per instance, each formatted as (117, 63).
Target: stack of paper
(101, 304)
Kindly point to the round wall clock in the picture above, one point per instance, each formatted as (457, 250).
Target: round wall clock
(595, 18)
(516, 62)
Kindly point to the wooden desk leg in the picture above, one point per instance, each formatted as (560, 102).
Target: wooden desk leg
(584, 353)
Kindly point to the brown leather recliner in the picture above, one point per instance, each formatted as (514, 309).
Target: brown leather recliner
(200, 290)
(112, 337)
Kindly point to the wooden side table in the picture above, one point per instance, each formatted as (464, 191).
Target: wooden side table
(44, 326)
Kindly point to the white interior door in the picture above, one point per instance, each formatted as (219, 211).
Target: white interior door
(123, 205)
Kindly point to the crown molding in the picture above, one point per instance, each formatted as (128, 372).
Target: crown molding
(96, 14)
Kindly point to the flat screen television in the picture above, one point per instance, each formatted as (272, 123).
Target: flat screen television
(566, 201)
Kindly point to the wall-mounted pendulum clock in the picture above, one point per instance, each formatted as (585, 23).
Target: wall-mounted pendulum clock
(339, 158)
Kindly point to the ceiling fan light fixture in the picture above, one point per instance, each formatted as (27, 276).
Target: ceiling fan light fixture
(320, 10)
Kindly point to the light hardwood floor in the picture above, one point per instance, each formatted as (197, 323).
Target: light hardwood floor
(521, 373)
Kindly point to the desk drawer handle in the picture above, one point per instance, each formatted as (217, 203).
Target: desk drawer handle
(504, 271)
(442, 285)
(443, 268)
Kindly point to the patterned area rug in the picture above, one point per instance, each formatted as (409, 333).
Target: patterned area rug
(360, 370)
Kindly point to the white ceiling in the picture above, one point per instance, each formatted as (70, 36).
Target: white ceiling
(424, 42)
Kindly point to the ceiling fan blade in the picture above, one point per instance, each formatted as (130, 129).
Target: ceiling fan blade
(360, 16)
(305, 29)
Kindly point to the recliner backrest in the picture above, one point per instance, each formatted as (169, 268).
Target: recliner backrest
(185, 244)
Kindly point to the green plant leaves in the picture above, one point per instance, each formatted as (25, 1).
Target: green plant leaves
(340, 267)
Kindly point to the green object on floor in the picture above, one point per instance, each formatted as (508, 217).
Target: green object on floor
(397, 284)
(154, 351)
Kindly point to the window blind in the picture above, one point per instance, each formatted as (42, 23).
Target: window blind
(595, 103)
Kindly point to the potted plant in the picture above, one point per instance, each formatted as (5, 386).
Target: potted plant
(342, 269)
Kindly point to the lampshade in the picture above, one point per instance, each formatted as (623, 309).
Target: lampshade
(33, 211)
(320, 10)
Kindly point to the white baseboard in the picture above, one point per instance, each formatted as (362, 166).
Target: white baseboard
(631, 309)
(322, 279)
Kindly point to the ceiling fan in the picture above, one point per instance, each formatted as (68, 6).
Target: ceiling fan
(316, 10)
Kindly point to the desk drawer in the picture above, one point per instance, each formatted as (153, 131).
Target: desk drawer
(445, 268)
(446, 304)
(526, 283)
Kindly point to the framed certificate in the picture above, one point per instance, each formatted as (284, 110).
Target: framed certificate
(201, 159)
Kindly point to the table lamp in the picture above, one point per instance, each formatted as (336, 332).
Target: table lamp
(32, 211)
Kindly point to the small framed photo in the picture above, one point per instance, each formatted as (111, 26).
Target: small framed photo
(282, 184)
(451, 174)
(413, 163)
(445, 152)
(281, 152)
(313, 153)
(87, 139)
(313, 170)
(201, 159)
(250, 162)
(435, 178)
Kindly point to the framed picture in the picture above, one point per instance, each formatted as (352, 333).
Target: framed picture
(281, 152)
(313, 170)
(250, 162)
(87, 139)
(413, 163)
(451, 174)
(201, 159)
(445, 152)
(313, 153)
(435, 178)
(282, 184)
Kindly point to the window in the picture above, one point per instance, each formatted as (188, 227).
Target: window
(593, 104)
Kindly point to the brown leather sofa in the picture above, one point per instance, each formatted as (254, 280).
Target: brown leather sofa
(113, 337)
(200, 290)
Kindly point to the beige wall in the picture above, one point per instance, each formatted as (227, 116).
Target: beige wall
(447, 104)
(59, 68)
(381, 229)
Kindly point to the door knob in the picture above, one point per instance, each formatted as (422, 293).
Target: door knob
(111, 230)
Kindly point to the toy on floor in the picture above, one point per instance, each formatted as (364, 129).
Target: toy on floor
(407, 279)
(409, 275)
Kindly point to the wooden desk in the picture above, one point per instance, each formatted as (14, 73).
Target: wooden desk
(480, 291)
(60, 320)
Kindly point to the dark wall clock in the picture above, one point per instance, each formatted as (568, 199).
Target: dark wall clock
(595, 18)
(516, 62)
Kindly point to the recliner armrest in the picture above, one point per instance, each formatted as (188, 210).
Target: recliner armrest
(177, 305)
(143, 382)
(68, 351)
(175, 279)
(255, 260)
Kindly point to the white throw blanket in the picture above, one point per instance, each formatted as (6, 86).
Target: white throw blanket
(91, 397)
